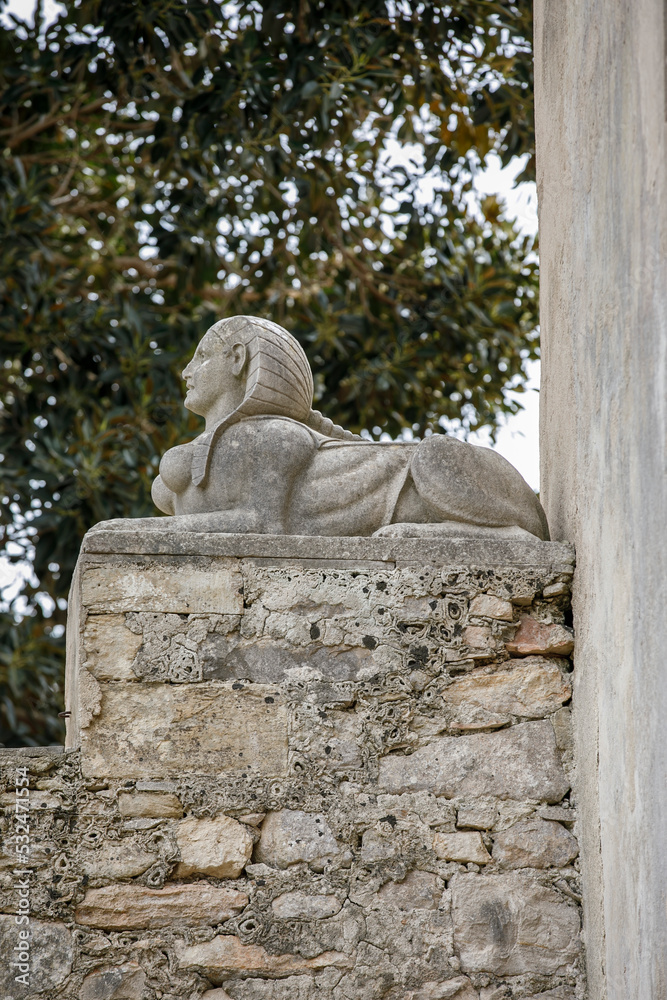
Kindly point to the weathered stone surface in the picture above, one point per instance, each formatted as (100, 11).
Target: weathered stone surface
(120, 982)
(134, 907)
(560, 993)
(480, 815)
(168, 588)
(218, 994)
(510, 925)
(562, 723)
(289, 836)
(162, 805)
(520, 762)
(302, 987)
(302, 906)
(478, 637)
(252, 819)
(270, 663)
(534, 843)
(489, 606)
(532, 688)
(50, 962)
(154, 730)
(534, 637)
(110, 647)
(459, 988)
(220, 847)
(418, 891)
(89, 697)
(300, 551)
(124, 858)
(461, 847)
(225, 954)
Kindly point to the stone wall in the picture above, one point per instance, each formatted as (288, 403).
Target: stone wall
(305, 768)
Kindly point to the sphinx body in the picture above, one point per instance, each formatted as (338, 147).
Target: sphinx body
(267, 462)
(277, 475)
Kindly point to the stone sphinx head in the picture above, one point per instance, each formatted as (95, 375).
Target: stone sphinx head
(251, 367)
(243, 367)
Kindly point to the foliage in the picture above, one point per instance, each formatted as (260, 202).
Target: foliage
(167, 163)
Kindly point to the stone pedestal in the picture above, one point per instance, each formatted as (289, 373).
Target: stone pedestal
(320, 768)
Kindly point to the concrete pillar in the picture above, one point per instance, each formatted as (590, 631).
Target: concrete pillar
(600, 118)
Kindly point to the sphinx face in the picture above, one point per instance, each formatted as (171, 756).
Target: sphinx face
(212, 379)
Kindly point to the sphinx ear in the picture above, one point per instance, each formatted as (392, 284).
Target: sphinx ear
(239, 355)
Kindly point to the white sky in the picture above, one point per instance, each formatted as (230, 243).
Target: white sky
(518, 437)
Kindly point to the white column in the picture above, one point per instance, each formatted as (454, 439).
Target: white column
(600, 119)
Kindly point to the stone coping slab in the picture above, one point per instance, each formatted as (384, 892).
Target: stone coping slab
(458, 551)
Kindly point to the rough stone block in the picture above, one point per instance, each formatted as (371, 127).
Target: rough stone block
(459, 988)
(478, 637)
(134, 907)
(488, 606)
(418, 891)
(480, 815)
(303, 906)
(535, 843)
(50, 962)
(289, 836)
(521, 762)
(155, 730)
(531, 688)
(120, 982)
(220, 847)
(463, 847)
(537, 638)
(160, 805)
(225, 954)
(163, 586)
(113, 859)
(110, 648)
(510, 925)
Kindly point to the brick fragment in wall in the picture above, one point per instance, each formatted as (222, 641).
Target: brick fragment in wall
(537, 638)
(521, 762)
(511, 925)
(134, 907)
(535, 843)
(219, 847)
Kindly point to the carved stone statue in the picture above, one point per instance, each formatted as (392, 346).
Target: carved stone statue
(268, 463)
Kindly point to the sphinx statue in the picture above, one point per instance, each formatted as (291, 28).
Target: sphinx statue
(268, 463)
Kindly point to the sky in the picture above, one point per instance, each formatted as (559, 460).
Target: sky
(518, 437)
